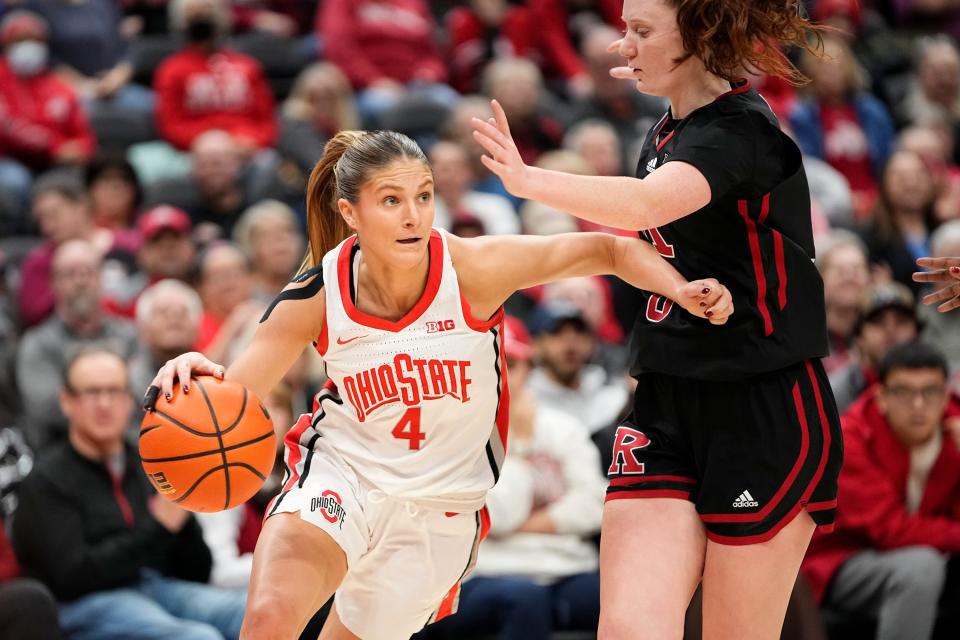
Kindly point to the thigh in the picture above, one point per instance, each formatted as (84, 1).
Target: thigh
(126, 614)
(651, 560)
(746, 587)
(219, 608)
(296, 568)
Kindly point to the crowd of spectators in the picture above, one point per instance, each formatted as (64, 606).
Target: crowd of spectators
(153, 161)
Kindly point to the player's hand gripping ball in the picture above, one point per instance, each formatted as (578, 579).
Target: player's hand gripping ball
(208, 450)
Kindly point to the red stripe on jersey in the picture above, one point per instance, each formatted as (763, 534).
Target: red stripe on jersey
(323, 340)
(434, 276)
(481, 326)
(737, 90)
(292, 442)
(626, 482)
(758, 272)
(781, 269)
(664, 141)
(821, 506)
(786, 484)
(503, 410)
(764, 209)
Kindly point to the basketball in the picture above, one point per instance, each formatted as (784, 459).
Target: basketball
(210, 449)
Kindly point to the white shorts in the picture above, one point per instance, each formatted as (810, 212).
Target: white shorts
(405, 559)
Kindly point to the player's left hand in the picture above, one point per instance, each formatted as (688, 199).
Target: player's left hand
(707, 299)
(941, 270)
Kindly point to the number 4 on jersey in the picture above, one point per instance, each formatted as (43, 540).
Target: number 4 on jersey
(658, 307)
(409, 428)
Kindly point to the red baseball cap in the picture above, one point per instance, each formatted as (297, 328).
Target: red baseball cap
(163, 218)
(516, 340)
(20, 24)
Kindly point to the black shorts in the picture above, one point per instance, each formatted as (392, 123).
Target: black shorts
(748, 453)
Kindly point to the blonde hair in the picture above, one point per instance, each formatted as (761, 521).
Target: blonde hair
(297, 106)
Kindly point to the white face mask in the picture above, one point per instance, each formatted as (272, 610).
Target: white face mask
(27, 58)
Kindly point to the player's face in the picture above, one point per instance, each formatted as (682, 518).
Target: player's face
(651, 45)
(394, 213)
(98, 403)
(913, 401)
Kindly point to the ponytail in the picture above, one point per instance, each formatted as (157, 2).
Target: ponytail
(347, 163)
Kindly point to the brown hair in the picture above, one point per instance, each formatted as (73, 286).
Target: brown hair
(348, 160)
(733, 36)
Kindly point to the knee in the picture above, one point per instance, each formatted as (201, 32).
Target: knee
(919, 569)
(626, 625)
(270, 617)
(30, 598)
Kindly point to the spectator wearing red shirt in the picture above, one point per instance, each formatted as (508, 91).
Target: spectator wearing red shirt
(208, 86)
(42, 124)
(387, 49)
(841, 123)
(898, 521)
(561, 25)
(481, 32)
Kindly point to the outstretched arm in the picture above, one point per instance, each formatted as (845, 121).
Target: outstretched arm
(675, 190)
(492, 268)
(290, 323)
(941, 270)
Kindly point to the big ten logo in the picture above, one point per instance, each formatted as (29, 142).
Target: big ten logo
(160, 481)
(442, 325)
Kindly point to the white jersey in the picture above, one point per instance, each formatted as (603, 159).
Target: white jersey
(419, 408)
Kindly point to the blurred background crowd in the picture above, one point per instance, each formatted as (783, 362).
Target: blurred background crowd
(153, 162)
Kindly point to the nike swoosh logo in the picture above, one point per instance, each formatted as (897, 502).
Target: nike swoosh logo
(349, 340)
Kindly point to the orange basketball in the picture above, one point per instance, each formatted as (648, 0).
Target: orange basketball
(210, 449)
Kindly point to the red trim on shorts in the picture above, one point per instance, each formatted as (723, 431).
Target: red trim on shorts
(481, 326)
(781, 269)
(484, 523)
(761, 278)
(825, 430)
(624, 481)
(446, 605)
(434, 275)
(652, 493)
(785, 485)
(768, 535)
(822, 506)
(292, 442)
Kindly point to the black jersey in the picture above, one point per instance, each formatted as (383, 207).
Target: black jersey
(754, 236)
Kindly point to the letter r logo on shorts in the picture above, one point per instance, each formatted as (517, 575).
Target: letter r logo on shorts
(625, 443)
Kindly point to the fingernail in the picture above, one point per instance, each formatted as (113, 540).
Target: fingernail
(954, 269)
(186, 389)
(168, 396)
(709, 314)
(705, 291)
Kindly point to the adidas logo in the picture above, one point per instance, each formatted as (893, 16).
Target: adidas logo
(652, 164)
(745, 500)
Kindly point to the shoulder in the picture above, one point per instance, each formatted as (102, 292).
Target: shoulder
(53, 463)
(301, 305)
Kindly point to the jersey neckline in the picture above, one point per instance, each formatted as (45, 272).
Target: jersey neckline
(745, 86)
(434, 276)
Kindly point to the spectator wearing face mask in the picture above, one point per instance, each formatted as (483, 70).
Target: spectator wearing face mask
(42, 124)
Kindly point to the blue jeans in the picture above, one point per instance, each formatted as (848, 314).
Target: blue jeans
(155, 608)
(520, 609)
(15, 183)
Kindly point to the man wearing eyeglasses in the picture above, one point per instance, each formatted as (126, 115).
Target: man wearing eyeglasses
(121, 561)
(898, 516)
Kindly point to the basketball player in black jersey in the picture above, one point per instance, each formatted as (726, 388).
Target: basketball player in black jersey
(730, 458)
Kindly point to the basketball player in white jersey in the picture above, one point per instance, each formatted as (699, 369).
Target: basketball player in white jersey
(383, 502)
